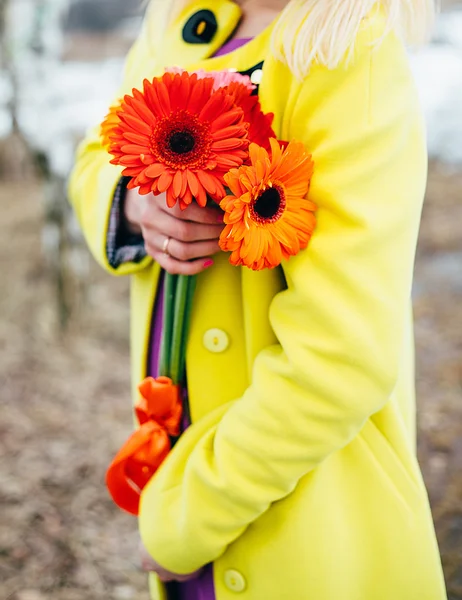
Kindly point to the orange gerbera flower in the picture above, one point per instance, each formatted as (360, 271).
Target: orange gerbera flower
(268, 217)
(159, 414)
(109, 124)
(179, 136)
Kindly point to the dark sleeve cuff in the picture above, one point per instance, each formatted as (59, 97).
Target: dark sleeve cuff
(122, 246)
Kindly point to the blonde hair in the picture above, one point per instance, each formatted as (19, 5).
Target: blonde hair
(324, 31)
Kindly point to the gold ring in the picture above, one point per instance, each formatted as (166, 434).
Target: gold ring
(165, 246)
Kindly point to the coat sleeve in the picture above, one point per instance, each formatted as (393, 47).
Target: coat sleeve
(94, 180)
(339, 323)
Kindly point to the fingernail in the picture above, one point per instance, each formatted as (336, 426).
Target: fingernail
(208, 263)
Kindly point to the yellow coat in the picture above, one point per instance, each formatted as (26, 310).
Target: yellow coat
(298, 478)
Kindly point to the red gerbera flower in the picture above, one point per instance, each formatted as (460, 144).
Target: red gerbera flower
(181, 137)
(260, 123)
(241, 87)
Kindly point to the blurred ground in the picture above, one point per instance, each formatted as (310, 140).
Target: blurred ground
(66, 409)
(438, 312)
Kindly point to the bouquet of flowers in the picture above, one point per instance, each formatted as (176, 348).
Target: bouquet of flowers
(200, 137)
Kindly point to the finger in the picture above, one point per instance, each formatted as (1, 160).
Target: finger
(193, 250)
(148, 565)
(166, 225)
(178, 267)
(180, 250)
(195, 213)
(167, 577)
(184, 578)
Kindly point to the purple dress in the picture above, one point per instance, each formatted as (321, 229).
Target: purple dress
(201, 588)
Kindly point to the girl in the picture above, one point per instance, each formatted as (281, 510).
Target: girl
(298, 477)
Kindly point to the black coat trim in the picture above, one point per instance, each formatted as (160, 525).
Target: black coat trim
(249, 73)
(200, 28)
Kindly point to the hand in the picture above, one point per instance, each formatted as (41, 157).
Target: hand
(149, 564)
(192, 233)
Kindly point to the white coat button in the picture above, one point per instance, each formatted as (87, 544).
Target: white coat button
(216, 340)
(235, 581)
(257, 77)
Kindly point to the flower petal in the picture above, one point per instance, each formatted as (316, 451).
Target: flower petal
(164, 182)
(155, 170)
(177, 184)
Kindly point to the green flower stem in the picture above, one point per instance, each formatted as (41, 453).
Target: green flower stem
(170, 284)
(192, 280)
(177, 347)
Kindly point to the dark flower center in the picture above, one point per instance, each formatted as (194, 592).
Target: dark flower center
(269, 206)
(181, 142)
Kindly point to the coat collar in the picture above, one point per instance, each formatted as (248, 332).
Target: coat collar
(196, 33)
(194, 36)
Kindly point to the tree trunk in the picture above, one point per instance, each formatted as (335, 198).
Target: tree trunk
(16, 157)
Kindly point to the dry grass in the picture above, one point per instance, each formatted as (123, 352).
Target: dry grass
(438, 311)
(65, 410)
